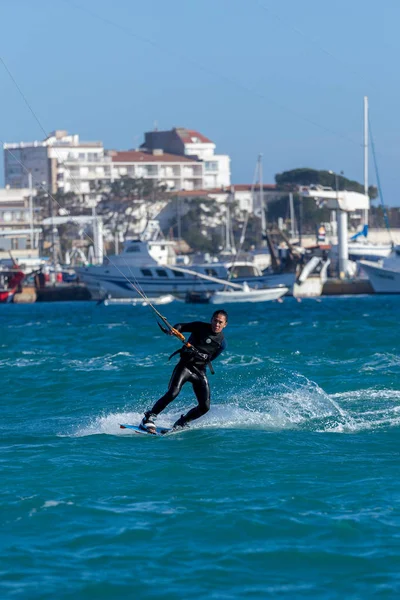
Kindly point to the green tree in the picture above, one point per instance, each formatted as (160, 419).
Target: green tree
(290, 180)
(120, 199)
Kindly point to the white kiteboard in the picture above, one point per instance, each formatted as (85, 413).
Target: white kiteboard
(137, 429)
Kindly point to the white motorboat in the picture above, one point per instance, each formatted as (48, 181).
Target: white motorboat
(246, 294)
(384, 275)
(159, 300)
(151, 267)
(363, 249)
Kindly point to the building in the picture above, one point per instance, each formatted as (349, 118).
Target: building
(17, 231)
(49, 160)
(14, 207)
(186, 142)
(181, 159)
(175, 171)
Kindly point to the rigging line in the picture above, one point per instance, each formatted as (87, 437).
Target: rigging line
(378, 181)
(74, 182)
(54, 148)
(136, 286)
(23, 96)
(209, 71)
(310, 39)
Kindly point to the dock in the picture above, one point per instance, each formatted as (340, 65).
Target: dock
(63, 292)
(346, 287)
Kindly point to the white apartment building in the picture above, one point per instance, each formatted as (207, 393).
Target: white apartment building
(47, 162)
(181, 159)
(192, 144)
(14, 207)
(17, 231)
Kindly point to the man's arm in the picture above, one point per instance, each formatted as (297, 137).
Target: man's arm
(186, 327)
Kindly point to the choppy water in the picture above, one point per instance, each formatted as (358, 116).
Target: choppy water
(288, 488)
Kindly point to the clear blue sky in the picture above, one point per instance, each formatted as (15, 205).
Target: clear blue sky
(285, 78)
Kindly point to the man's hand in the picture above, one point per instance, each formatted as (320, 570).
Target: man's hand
(177, 333)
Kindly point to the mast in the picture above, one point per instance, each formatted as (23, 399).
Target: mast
(366, 155)
(228, 225)
(31, 209)
(292, 221)
(263, 221)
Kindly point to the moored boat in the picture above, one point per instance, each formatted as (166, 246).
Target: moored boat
(10, 281)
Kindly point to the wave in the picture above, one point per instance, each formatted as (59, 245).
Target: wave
(297, 404)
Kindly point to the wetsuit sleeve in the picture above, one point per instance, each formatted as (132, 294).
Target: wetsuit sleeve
(187, 327)
(220, 350)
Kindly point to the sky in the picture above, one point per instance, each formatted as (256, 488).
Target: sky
(284, 78)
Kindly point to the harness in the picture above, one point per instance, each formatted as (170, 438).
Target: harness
(206, 344)
(185, 353)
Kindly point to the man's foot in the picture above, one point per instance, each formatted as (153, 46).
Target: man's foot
(181, 422)
(148, 423)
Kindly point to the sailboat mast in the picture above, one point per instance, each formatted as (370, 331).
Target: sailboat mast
(366, 155)
(228, 225)
(263, 221)
(292, 221)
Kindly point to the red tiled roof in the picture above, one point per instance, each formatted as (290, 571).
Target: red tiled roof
(138, 156)
(194, 193)
(186, 136)
(243, 187)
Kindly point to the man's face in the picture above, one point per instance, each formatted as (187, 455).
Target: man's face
(218, 322)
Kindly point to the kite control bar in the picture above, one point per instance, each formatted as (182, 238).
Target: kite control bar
(181, 337)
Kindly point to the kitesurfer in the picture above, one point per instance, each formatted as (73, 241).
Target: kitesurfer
(206, 342)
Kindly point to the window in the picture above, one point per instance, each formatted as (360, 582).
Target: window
(242, 271)
(211, 166)
(133, 249)
(178, 274)
(146, 272)
(161, 273)
(211, 272)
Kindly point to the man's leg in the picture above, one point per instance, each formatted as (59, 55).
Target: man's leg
(202, 391)
(180, 375)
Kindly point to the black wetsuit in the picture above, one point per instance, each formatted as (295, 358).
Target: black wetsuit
(192, 367)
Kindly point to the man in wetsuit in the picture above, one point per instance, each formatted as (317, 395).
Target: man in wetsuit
(208, 342)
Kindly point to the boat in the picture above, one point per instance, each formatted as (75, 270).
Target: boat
(151, 266)
(233, 292)
(247, 294)
(10, 281)
(360, 248)
(312, 278)
(384, 275)
(167, 299)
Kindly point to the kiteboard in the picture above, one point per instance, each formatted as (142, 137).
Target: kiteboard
(137, 429)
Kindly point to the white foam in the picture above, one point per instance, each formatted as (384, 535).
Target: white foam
(298, 403)
(52, 503)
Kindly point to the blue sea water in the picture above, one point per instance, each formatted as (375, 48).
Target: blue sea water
(288, 488)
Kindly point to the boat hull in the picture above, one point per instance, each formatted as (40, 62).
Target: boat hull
(236, 296)
(383, 280)
(103, 282)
